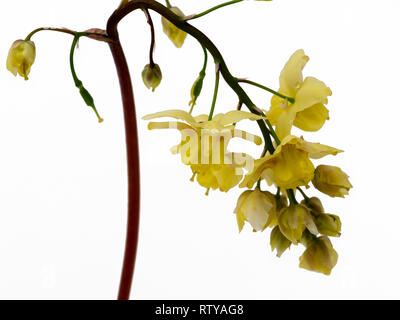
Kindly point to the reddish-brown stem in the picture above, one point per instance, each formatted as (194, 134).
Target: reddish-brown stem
(132, 153)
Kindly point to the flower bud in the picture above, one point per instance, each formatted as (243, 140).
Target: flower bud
(331, 181)
(196, 89)
(320, 256)
(256, 207)
(315, 205)
(293, 220)
(279, 242)
(20, 58)
(152, 76)
(306, 238)
(176, 35)
(329, 225)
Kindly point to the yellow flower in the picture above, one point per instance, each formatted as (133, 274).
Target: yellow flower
(308, 112)
(320, 256)
(293, 220)
(290, 165)
(204, 145)
(256, 207)
(176, 35)
(279, 242)
(20, 58)
(331, 181)
(213, 176)
(152, 76)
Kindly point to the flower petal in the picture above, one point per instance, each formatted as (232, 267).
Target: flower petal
(313, 118)
(236, 116)
(316, 150)
(177, 114)
(285, 123)
(291, 76)
(311, 92)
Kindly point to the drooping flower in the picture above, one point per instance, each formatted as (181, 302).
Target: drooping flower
(315, 205)
(290, 165)
(332, 181)
(152, 76)
(320, 256)
(20, 58)
(257, 208)
(308, 112)
(279, 242)
(204, 145)
(176, 35)
(329, 225)
(293, 220)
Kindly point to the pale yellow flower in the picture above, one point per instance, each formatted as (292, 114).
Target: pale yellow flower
(293, 220)
(257, 208)
(279, 242)
(20, 58)
(308, 112)
(204, 145)
(331, 181)
(290, 165)
(176, 35)
(320, 256)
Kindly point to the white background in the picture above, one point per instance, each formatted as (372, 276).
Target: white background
(62, 175)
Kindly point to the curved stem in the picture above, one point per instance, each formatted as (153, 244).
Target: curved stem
(214, 101)
(78, 83)
(291, 100)
(67, 31)
(303, 194)
(153, 37)
(213, 9)
(130, 118)
(292, 197)
(120, 13)
(132, 152)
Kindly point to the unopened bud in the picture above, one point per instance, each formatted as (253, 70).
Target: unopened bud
(152, 76)
(329, 225)
(20, 58)
(331, 181)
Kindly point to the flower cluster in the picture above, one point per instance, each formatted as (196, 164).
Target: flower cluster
(290, 167)
(286, 163)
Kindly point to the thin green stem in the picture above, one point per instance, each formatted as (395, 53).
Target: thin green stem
(292, 197)
(168, 4)
(203, 71)
(278, 193)
(78, 83)
(62, 30)
(49, 29)
(291, 100)
(303, 194)
(214, 8)
(214, 101)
